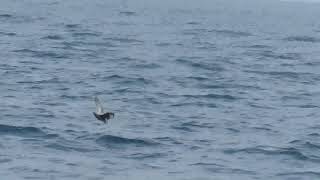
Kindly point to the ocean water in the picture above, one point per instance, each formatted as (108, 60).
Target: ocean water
(207, 89)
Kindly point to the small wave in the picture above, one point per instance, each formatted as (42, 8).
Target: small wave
(6, 16)
(303, 39)
(163, 44)
(65, 147)
(8, 34)
(127, 59)
(233, 130)
(283, 74)
(53, 37)
(7, 67)
(85, 34)
(141, 156)
(72, 26)
(197, 104)
(114, 77)
(24, 51)
(314, 134)
(273, 55)
(304, 106)
(292, 152)
(207, 164)
(136, 81)
(152, 166)
(32, 62)
(210, 96)
(193, 126)
(198, 78)
(262, 128)
(128, 80)
(182, 128)
(205, 66)
(217, 168)
(193, 23)
(215, 86)
(231, 33)
(125, 90)
(147, 66)
(21, 131)
(116, 141)
(127, 13)
(45, 81)
(74, 44)
(260, 46)
(73, 97)
(206, 45)
(124, 40)
(306, 145)
(19, 19)
(310, 174)
(40, 54)
(151, 100)
(312, 145)
(198, 125)
(123, 23)
(168, 139)
(194, 31)
(308, 106)
(5, 160)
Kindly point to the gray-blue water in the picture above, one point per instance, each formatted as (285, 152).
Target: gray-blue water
(205, 89)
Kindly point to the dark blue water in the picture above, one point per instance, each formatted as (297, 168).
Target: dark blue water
(205, 89)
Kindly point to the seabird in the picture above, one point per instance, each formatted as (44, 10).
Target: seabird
(100, 114)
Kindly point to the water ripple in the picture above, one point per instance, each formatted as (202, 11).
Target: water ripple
(6, 16)
(303, 39)
(68, 147)
(231, 33)
(7, 34)
(217, 168)
(210, 96)
(295, 175)
(272, 151)
(200, 65)
(41, 54)
(117, 141)
(53, 37)
(27, 131)
(128, 13)
(142, 156)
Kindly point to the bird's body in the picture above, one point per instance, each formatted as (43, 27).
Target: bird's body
(100, 114)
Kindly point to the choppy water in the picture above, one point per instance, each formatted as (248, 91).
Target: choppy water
(201, 89)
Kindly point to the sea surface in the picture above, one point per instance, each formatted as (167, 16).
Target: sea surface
(201, 90)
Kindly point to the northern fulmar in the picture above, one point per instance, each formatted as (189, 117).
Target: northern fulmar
(100, 114)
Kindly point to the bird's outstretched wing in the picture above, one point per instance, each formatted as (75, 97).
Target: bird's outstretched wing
(99, 108)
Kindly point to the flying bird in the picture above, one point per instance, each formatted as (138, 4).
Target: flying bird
(100, 114)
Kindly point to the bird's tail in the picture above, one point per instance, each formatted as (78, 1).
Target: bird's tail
(108, 115)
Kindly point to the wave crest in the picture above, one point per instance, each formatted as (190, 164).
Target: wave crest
(115, 141)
